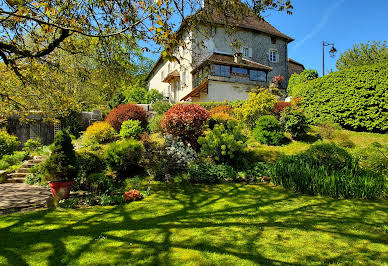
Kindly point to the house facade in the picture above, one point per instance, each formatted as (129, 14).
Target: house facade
(294, 67)
(218, 64)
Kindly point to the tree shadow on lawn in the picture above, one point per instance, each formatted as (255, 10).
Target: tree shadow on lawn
(199, 210)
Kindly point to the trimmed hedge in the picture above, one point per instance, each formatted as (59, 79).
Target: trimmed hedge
(355, 98)
(210, 105)
(296, 79)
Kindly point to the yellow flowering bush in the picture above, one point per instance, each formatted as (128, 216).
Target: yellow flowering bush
(258, 104)
(100, 132)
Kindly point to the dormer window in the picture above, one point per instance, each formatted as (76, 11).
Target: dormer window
(273, 56)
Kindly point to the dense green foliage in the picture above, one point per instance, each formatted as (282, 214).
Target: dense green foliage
(325, 169)
(268, 130)
(294, 121)
(154, 124)
(123, 157)
(131, 129)
(224, 144)
(161, 107)
(363, 54)
(373, 157)
(296, 79)
(8, 143)
(72, 123)
(62, 163)
(207, 173)
(10, 161)
(356, 98)
(89, 164)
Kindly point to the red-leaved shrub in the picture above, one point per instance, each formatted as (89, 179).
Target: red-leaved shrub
(132, 195)
(125, 112)
(279, 107)
(186, 122)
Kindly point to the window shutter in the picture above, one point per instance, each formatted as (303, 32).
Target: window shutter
(250, 52)
(241, 49)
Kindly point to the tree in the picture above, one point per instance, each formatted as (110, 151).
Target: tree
(38, 36)
(363, 54)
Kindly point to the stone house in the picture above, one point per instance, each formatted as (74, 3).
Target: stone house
(294, 67)
(210, 68)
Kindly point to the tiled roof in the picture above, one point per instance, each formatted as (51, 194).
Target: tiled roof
(172, 75)
(290, 60)
(224, 59)
(249, 21)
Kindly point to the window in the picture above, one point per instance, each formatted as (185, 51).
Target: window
(169, 67)
(162, 75)
(246, 51)
(241, 71)
(273, 56)
(220, 70)
(257, 75)
(273, 40)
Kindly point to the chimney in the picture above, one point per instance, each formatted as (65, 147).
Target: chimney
(238, 58)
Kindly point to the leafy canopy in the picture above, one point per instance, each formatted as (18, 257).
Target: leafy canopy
(363, 54)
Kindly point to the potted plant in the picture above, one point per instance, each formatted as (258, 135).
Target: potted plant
(61, 166)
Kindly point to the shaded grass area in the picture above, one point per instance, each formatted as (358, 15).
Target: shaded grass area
(203, 225)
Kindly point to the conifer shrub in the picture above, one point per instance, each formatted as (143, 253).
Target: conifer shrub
(185, 122)
(131, 129)
(154, 124)
(126, 112)
(99, 132)
(62, 164)
(268, 130)
(223, 109)
(123, 157)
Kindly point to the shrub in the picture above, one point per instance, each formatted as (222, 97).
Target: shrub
(8, 143)
(126, 112)
(99, 132)
(164, 161)
(223, 109)
(297, 173)
(224, 145)
(220, 118)
(100, 184)
(132, 195)
(206, 173)
(32, 145)
(153, 96)
(161, 107)
(297, 79)
(268, 130)
(136, 94)
(89, 163)
(328, 155)
(258, 104)
(12, 161)
(154, 124)
(355, 98)
(294, 121)
(209, 105)
(185, 122)
(374, 157)
(279, 107)
(131, 129)
(123, 157)
(62, 163)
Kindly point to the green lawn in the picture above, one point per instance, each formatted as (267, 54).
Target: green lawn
(221, 225)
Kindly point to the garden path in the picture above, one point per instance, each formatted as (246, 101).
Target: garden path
(20, 197)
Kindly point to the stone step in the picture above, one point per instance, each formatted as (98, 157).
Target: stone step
(39, 158)
(15, 180)
(16, 175)
(23, 170)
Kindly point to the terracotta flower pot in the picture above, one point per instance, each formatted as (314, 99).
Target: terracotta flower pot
(61, 189)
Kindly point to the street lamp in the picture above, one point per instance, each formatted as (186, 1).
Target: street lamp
(332, 53)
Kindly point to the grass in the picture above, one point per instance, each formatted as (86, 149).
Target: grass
(203, 225)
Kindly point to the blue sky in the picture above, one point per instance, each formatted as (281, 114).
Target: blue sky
(343, 22)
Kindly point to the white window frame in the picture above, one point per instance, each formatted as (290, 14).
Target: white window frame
(271, 57)
(246, 51)
(162, 75)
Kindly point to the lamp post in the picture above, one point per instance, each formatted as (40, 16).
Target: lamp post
(332, 53)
